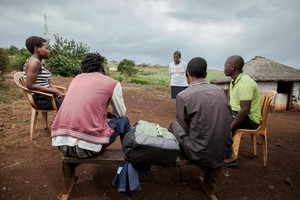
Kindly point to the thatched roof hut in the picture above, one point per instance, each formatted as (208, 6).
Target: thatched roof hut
(265, 70)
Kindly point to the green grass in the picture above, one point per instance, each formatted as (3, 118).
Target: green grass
(211, 74)
(9, 92)
(155, 76)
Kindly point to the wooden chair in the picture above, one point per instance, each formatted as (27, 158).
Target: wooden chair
(20, 81)
(265, 101)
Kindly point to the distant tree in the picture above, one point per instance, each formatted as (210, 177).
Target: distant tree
(4, 61)
(127, 67)
(66, 56)
(13, 50)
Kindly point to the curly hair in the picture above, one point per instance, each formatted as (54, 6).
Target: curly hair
(34, 41)
(92, 62)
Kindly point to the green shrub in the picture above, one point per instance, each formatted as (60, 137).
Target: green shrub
(161, 82)
(115, 76)
(18, 61)
(65, 66)
(126, 67)
(139, 81)
(66, 56)
(4, 61)
(120, 78)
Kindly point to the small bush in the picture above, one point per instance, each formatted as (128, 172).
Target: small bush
(4, 61)
(66, 56)
(139, 81)
(161, 82)
(126, 67)
(65, 66)
(120, 78)
(18, 61)
(116, 77)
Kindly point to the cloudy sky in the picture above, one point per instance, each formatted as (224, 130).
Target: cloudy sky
(150, 31)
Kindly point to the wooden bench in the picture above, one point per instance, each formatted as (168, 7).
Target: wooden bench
(113, 156)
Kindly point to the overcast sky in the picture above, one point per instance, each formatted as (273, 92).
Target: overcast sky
(150, 31)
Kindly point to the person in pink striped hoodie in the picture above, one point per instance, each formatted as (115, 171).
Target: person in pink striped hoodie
(81, 127)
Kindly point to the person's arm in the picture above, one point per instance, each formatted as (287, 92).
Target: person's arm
(32, 71)
(58, 93)
(181, 116)
(242, 115)
(170, 69)
(117, 102)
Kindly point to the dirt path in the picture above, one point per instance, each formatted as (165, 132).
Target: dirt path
(32, 170)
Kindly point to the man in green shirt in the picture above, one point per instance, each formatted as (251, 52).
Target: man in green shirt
(244, 98)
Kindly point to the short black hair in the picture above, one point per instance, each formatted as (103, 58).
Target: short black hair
(237, 61)
(34, 41)
(177, 53)
(197, 67)
(92, 62)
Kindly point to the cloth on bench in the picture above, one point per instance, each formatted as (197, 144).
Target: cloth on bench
(126, 179)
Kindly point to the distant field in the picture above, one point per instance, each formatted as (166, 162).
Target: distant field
(155, 76)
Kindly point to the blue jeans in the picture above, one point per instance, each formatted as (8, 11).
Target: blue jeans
(121, 126)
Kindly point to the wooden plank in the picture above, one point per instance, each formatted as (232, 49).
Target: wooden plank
(107, 156)
(208, 194)
(116, 156)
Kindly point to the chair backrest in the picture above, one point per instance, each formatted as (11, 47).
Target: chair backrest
(21, 83)
(265, 101)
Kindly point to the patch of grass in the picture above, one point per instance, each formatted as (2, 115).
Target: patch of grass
(155, 76)
(211, 74)
(139, 81)
(9, 92)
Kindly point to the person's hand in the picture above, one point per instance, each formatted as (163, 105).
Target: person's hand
(59, 94)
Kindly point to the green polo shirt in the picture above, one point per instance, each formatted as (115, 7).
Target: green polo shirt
(245, 88)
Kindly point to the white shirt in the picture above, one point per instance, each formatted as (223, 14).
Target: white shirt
(177, 72)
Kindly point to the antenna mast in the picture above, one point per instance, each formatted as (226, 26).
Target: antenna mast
(46, 29)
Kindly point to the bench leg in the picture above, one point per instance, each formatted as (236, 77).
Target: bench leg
(209, 185)
(68, 180)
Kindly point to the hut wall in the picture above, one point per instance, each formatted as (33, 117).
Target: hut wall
(263, 86)
(224, 86)
(281, 101)
(295, 97)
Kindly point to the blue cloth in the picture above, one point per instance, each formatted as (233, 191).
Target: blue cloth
(133, 177)
(121, 126)
(127, 179)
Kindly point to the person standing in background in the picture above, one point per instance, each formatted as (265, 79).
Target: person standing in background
(177, 70)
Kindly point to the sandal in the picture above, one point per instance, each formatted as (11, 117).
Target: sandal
(233, 163)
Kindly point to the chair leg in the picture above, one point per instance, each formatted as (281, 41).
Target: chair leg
(236, 143)
(253, 144)
(45, 118)
(265, 149)
(34, 115)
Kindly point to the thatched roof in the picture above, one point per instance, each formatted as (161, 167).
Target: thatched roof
(262, 69)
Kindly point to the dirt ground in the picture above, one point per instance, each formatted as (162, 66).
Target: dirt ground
(32, 169)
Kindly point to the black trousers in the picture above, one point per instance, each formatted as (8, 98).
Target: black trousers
(44, 102)
(247, 124)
